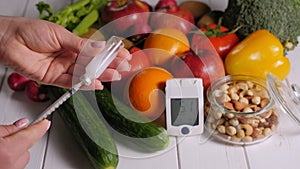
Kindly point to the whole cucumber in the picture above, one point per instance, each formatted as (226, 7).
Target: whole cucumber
(126, 121)
(87, 128)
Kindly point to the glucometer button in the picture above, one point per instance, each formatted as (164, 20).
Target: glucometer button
(185, 130)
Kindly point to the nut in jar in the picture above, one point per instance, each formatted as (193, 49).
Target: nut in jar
(240, 110)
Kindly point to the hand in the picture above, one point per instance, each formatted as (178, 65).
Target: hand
(16, 140)
(48, 53)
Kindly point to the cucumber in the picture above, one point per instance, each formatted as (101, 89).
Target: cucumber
(87, 128)
(147, 135)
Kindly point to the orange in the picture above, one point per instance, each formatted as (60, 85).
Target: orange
(146, 91)
(165, 43)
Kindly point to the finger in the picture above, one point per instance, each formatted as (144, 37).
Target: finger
(110, 75)
(22, 161)
(92, 48)
(27, 137)
(120, 64)
(6, 130)
(124, 53)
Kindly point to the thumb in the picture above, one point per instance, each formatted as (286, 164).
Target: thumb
(28, 136)
(6, 130)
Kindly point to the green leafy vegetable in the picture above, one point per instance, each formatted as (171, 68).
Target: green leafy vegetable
(71, 16)
(280, 17)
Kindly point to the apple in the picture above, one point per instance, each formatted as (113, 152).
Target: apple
(117, 10)
(17, 82)
(138, 32)
(179, 18)
(36, 92)
(205, 64)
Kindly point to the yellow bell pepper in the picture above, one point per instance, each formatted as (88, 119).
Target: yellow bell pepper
(258, 54)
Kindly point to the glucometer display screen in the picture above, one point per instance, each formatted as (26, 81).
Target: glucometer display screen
(184, 111)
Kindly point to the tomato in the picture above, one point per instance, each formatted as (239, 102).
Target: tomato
(220, 37)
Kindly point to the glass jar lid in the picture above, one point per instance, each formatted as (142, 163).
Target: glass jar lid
(286, 96)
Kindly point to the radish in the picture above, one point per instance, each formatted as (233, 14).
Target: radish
(17, 82)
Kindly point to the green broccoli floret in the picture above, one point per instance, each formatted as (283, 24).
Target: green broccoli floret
(280, 17)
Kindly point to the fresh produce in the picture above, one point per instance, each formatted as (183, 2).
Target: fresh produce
(86, 22)
(36, 92)
(280, 17)
(258, 54)
(220, 37)
(146, 91)
(205, 64)
(138, 61)
(136, 128)
(165, 43)
(71, 16)
(135, 22)
(17, 82)
(197, 8)
(209, 18)
(88, 129)
(169, 14)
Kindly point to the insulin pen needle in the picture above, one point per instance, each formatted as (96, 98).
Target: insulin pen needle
(93, 70)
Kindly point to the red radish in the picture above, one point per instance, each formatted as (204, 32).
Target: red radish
(17, 82)
(180, 18)
(36, 92)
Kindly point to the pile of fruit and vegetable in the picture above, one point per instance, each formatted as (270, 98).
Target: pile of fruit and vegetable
(169, 40)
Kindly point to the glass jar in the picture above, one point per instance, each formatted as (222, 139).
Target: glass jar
(241, 110)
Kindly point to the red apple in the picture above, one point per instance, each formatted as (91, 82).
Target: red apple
(36, 92)
(116, 9)
(205, 64)
(179, 18)
(139, 31)
(17, 82)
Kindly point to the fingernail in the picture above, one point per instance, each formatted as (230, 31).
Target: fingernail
(21, 123)
(129, 57)
(117, 76)
(49, 124)
(124, 66)
(98, 44)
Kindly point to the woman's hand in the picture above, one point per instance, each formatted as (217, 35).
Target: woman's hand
(48, 53)
(16, 140)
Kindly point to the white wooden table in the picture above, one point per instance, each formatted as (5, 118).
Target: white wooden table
(58, 150)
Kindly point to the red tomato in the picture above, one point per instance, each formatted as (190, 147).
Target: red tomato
(220, 38)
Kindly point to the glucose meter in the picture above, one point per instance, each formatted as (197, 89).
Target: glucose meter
(184, 106)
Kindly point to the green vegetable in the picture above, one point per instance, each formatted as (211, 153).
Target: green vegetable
(137, 129)
(87, 128)
(280, 17)
(72, 15)
(83, 26)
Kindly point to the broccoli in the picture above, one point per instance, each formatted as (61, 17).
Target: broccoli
(280, 17)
